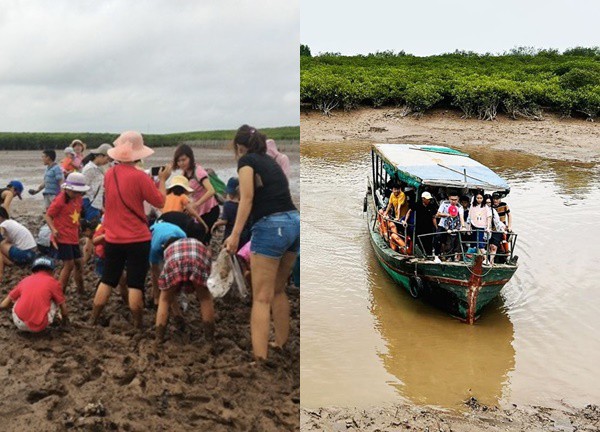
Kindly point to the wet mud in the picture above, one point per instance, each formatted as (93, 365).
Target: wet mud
(111, 378)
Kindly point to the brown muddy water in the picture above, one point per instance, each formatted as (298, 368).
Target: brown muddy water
(366, 342)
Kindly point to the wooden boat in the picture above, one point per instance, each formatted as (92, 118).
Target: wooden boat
(463, 287)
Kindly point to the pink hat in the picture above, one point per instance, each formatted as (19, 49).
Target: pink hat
(129, 147)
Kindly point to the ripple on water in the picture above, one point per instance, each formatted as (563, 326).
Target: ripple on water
(537, 344)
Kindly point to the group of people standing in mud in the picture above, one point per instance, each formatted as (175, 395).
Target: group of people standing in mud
(132, 220)
(437, 218)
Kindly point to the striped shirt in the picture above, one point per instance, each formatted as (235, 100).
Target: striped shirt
(503, 211)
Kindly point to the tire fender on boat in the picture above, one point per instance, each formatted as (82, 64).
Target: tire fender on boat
(415, 287)
(365, 205)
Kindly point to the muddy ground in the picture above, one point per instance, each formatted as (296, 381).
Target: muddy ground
(568, 139)
(573, 140)
(109, 378)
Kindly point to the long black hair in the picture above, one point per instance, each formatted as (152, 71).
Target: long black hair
(251, 138)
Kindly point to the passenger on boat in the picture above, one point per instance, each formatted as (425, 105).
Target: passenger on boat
(480, 220)
(425, 221)
(396, 202)
(451, 216)
(503, 210)
(465, 203)
(498, 228)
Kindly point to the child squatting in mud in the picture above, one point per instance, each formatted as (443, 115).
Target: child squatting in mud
(37, 298)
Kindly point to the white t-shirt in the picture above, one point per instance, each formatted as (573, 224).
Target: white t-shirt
(18, 235)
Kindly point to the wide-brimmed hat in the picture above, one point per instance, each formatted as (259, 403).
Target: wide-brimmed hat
(426, 195)
(70, 150)
(129, 147)
(17, 186)
(180, 180)
(78, 141)
(232, 185)
(76, 182)
(102, 150)
(43, 262)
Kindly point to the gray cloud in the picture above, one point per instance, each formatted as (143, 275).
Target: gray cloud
(156, 66)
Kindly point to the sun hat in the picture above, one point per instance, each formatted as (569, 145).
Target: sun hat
(70, 150)
(17, 186)
(426, 195)
(180, 180)
(76, 182)
(43, 262)
(78, 141)
(129, 147)
(232, 185)
(101, 150)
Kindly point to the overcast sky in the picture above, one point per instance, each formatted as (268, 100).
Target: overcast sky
(155, 66)
(430, 27)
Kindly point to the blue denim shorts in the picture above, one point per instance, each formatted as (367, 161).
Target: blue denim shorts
(276, 234)
(21, 257)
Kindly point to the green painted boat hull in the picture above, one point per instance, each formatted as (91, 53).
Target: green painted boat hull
(462, 289)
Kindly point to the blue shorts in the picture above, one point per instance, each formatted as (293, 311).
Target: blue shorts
(68, 252)
(90, 213)
(20, 256)
(276, 234)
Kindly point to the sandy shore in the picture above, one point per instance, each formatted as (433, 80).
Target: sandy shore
(562, 139)
(553, 137)
(110, 378)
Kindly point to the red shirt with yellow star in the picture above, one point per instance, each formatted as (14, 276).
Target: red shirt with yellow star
(65, 216)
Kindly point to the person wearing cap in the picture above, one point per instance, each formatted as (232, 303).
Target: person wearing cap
(424, 212)
(63, 219)
(79, 147)
(451, 216)
(37, 298)
(229, 213)
(94, 176)
(12, 189)
(18, 244)
(67, 164)
(127, 236)
(53, 178)
(203, 195)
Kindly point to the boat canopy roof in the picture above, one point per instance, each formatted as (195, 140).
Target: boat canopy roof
(433, 165)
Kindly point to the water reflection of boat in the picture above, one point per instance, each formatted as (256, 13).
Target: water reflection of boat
(461, 288)
(437, 361)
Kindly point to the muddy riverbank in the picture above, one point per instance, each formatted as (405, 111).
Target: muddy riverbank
(553, 138)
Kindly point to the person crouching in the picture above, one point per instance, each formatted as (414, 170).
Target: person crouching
(186, 267)
(37, 298)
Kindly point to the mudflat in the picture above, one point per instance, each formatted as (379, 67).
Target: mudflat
(110, 377)
(568, 139)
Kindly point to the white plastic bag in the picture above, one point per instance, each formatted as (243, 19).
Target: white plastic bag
(221, 277)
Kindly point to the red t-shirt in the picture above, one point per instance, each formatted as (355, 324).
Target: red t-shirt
(34, 294)
(127, 223)
(99, 248)
(65, 216)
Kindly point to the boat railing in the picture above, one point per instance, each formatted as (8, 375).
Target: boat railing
(464, 246)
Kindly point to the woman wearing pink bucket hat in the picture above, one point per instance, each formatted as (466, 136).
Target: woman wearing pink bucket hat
(126, 229)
